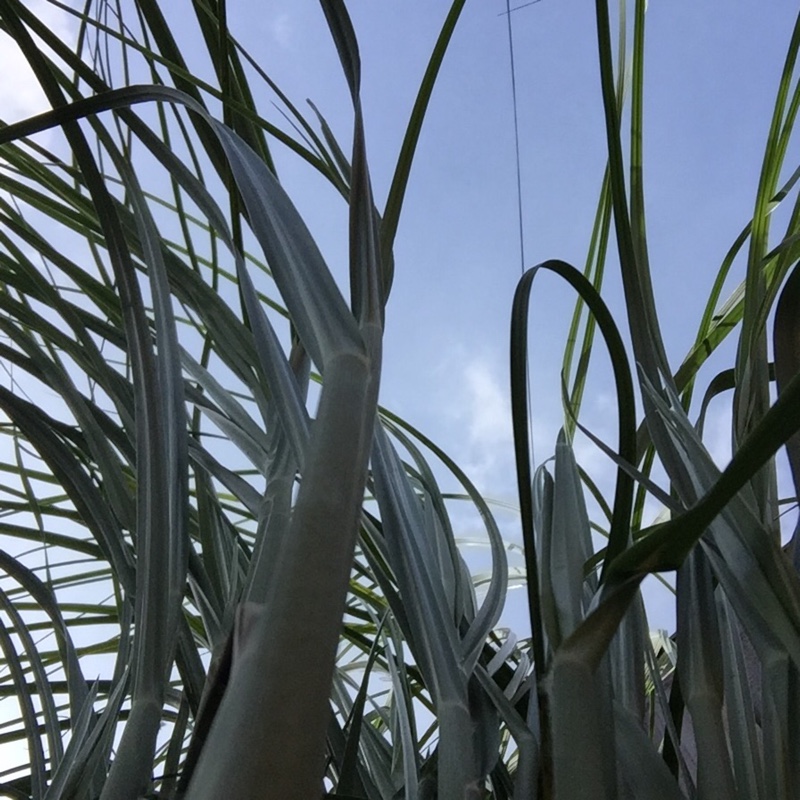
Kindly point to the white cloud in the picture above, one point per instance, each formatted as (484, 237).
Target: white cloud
(21, 96)
(281, 29)
(488, 406)
(717, 431)
(479, 412)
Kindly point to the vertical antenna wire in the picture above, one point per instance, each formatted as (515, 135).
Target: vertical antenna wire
(516, 136)
(519, 195)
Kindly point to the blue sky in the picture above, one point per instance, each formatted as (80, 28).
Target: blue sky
(711, 76)
(710, 87)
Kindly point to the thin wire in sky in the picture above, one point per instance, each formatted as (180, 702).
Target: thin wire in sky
(517, 8)
(516, 132)
(513, 71)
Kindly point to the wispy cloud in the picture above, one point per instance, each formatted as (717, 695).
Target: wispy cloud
(717, 433)
(480, 416)
(21, 96)
(281, 30)
(488, 407)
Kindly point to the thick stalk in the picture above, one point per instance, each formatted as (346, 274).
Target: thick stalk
(268, 738)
